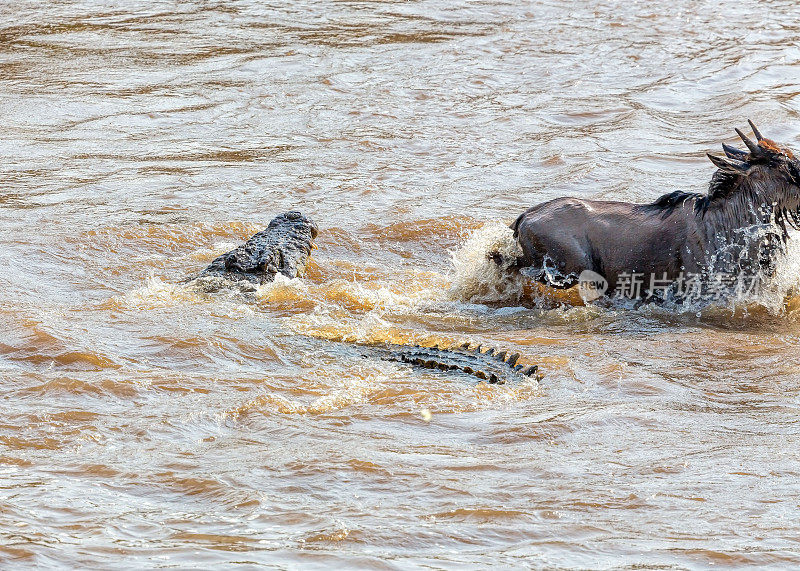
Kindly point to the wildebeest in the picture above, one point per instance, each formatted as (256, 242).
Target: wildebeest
(736, 229)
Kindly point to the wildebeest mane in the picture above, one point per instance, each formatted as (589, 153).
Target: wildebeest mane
(670, 201)
(721, 186)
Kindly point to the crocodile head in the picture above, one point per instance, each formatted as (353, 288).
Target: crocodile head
(284, 247)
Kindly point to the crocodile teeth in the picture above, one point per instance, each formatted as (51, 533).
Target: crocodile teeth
(512, 360)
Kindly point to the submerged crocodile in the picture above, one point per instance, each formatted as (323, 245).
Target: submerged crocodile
(492, 366)
(284, 247)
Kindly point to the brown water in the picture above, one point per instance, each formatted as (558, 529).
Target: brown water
(150, 425)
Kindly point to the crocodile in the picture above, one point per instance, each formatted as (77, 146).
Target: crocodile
(284, 247)
(495, 367)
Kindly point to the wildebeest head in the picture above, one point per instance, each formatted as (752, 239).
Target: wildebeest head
(768, 170)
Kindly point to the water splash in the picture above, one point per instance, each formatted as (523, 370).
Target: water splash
(781, 289)
(155, 293)
(479, 277)
(758, 286)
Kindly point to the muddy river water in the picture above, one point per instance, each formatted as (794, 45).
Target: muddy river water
(147, 424)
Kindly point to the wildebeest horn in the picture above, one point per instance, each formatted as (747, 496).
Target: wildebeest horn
(755, 150)
(755, 131)
(733, 152)
(728, 165)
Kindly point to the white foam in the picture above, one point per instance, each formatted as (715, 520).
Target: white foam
(476, 278)
(156, 293)
(786, 281)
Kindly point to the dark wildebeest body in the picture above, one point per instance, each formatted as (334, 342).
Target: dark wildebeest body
(737, 228)
(283, 247)
(565, 236)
